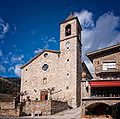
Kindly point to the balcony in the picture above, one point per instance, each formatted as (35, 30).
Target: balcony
(105, 92)
(107, 69)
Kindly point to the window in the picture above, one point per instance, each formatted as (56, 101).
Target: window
(67, 87)
(68, 30)
(44, 80)
(67, 74)
(67, 60)
(45, 67)
(45, 55)
(67, 44)
(35, 90)
(109, 65)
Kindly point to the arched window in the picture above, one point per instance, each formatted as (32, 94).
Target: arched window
(68, 30)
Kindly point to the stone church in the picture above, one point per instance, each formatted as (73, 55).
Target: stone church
(56, 74)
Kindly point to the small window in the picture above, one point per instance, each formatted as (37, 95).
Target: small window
(67, 60)
(35, 90)
(45, 55)
(67, 44)
(67, 74)
(26, 69)
(45, 67)
(44, 80)
(68, 30)
(67, 87)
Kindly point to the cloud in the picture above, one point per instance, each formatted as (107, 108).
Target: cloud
(47, 40)
(2, 68)
(4, 28)
(17, 69)
(37, 51)
(46, 46)
(100, 33)
(33, 32)
(11, 69)
(0, 52)
(52, 40)
(3, 59)
(17, 58)
(86, 19)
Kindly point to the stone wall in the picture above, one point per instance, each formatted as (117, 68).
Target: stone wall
(7, 105)
(9, 108)
(9, 112)
(37, 107)
(48, 107)
(58, 106)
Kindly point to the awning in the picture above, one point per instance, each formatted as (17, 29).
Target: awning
(105, 83)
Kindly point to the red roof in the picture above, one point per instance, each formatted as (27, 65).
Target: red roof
(105, 83)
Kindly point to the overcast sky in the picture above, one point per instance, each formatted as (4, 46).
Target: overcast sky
(29, 26)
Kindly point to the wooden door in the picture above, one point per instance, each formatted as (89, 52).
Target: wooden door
(44, 96)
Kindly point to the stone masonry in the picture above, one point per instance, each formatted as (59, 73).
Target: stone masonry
(61, 78)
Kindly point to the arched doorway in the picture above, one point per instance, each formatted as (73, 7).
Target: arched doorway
(98, 109)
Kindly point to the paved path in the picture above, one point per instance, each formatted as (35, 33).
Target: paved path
(67, 114)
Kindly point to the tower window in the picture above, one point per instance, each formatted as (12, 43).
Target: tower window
(67, 74)
(68, 30)
(67, 60)
(44, 80)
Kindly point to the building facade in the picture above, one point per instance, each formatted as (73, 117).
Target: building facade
(100, 94)
(56, 75)
(107, 72)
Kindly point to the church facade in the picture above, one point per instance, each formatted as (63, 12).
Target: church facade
(56, 75)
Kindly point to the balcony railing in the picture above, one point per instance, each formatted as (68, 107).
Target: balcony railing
(107, 68)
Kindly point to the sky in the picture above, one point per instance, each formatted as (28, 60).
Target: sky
(29, 26)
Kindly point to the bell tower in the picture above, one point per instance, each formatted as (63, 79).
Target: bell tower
(70, 48)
